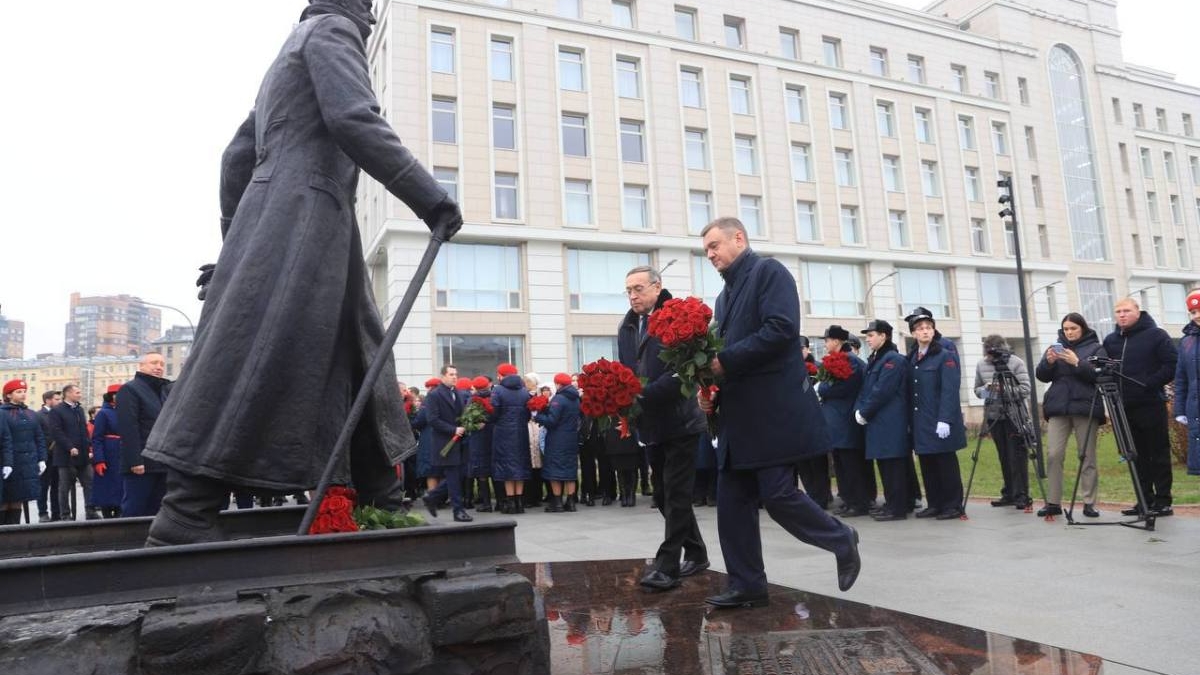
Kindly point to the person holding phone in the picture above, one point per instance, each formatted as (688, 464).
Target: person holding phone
(1071, 406)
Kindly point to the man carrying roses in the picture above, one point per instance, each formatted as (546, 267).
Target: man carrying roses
(766, 421)
(670, 426)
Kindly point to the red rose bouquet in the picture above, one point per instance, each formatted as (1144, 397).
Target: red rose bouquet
(835, 367)
(336, 512)
(610, 391)
(472, 419)
(690, 342)
(537, 403)
(813, 371)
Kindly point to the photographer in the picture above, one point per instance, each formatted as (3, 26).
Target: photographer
(1010, 447)
(1071, 405)
(1147, 354)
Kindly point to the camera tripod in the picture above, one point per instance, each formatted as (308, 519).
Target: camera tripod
(1108, 389)
(1009, 405)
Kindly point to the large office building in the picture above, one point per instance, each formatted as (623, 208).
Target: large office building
(111, 325)
(860, 143)
(12, 338)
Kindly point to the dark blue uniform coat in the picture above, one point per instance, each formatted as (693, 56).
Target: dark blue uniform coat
(420, 424)
(510, 435)
(444, 407)
(479, 444)
(23, 445)
(560, 461)
(883, 402)
(768, 411)
(108, 489)
(1187, 392)
(837, 406)
(934, 398)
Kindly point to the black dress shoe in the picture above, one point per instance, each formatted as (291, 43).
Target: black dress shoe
(855, 512)
(1090, 511)
(689, 567)
(928, 512)
(461, 516)
(659, 581)
(1162, 511)
(884, 516)
(1022, 504)
(606, 501)
(1053, 510)
(1003, 501)
(849, 567)
(730, 599)
(952, 514)
(430, 506)
(1131, 512)
(484, 507)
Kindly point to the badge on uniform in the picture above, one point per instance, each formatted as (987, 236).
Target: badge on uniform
(889, 364)
(950, 363)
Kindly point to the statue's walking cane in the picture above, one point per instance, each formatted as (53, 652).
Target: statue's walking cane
(364, 392)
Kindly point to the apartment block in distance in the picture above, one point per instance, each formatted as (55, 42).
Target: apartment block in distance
(113, 325)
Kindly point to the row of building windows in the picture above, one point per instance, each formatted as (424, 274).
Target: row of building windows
(1160, 118)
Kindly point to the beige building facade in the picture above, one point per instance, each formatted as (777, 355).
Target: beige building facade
(92, 375)
(860, 142)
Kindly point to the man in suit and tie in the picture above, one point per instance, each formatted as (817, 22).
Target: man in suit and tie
(768, 418)
(443, 406)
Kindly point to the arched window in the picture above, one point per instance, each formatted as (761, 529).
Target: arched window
(1077, 155)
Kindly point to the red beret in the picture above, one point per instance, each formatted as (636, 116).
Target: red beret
(506, 369)
(1193, 300)
(481, 382)
(13, 385)
(562, 379)
(432, 382)
(463, 384)
(112, 389)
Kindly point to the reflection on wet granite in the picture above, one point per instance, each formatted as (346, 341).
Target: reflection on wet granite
(601, 622)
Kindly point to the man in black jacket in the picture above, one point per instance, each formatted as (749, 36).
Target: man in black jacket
(670, 427)
(138, 403)
(47, 501)
(1148, 355)
(68, 427)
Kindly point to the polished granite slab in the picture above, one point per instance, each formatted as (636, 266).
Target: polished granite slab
(601, 623)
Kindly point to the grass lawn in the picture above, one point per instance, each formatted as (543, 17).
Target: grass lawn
(1115, 483)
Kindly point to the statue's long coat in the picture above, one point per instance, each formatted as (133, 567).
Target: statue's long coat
(289, 325)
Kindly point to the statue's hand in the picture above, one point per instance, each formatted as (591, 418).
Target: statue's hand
(206, 273)
(445, 220)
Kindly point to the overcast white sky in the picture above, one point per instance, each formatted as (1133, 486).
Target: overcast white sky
(115, 115)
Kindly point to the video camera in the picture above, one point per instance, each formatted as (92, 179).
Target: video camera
(1104, 365)
(999, 356)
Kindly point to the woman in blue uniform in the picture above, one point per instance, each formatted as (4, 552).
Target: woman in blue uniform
(938, 431)
(882, 408)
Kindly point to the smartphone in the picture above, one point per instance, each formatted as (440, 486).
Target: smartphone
(1058, 348)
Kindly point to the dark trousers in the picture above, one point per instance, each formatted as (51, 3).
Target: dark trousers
(1010, 449)
(452, 483)
(894, 475)
(853, 472)
(47, 501)
(654, 458)
(67, 475)
(676, 458)
(814, 475)
(608, 478)
(914, 487)
(943, 482)
(1148, 428)
(588, 471)
(705, 490)
(143, 494)
(738, 496)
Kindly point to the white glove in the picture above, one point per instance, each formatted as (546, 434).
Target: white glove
(1182, 419)
(7, 472)
(41, 467)
(943, 430)
(859, 418)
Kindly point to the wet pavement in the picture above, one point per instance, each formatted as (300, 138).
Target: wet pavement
(601, 623)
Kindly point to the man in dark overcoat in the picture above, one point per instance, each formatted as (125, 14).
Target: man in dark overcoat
(766, 423)
(443, 406)
(72, 449)
(289, 325)
(139, 403)
(670, 425)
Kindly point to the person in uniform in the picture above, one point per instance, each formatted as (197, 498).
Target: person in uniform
(845, 434)
(882, 407)
(938, 431)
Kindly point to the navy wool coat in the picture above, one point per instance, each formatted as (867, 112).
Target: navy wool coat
(23, 445)
(68, 424)
(289, 325)
(444, 406)
(1187, 392)
(420, 424)
(107, 490)
(883, 402)
(768, 411)
(934, 398)
(510, 433)
(479, 445)
(837, 405)
(666, 412)
(141, 401)
(560, 461)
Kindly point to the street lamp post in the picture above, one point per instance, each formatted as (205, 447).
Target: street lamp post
(174, 309)
(1008, 199)
(867, 295)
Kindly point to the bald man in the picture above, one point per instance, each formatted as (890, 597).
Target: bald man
(138, 403)
(1148, 355)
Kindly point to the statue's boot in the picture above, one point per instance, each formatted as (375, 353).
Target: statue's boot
(190, 510)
